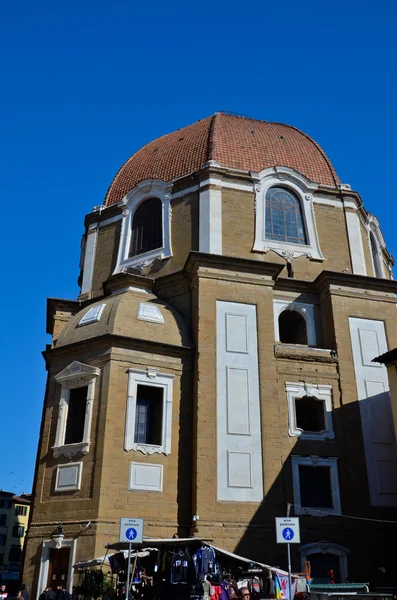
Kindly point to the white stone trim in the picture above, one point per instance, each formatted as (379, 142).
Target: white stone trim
(322, 393)
(316, 461)
(79, 471)
(89, 258)
(304, 309)
(149, 377)
(151, 484)
(355, 243)
(303, 189)
(210, 218)
(149, 312)
(74, 376)
(45, 563)
(372, 226)
(150, 188)
(324, 547)
(92, 315)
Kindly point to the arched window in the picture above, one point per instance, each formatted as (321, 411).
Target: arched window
(284, 220)
(375, 256)
(292, 328)
(147, 227)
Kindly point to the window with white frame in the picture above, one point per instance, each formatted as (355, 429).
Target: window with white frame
(75, 409)
(296, 328)
(310, 410)
(146, 224)
(315, 485)
(149, 412)
(325, 556)
(284, 217)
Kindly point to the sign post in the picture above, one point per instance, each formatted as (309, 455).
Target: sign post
(131, 530)
(288, 532)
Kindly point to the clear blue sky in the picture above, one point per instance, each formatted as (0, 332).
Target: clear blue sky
(85, 84)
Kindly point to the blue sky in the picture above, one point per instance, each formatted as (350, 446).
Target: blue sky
(85, 84)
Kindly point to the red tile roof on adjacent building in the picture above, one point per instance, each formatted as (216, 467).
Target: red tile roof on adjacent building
(233, 142)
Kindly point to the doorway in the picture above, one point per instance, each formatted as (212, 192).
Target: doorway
(58, 567)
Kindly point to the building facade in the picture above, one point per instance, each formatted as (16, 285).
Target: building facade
(14, 518)
(217, 364)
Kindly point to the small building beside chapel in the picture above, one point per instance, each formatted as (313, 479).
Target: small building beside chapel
(217, 364)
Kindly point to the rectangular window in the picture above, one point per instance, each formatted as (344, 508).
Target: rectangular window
(310, 414)
(18, 531)
(3, 538)
(15, 554)
(21, 511)
(149, 415)
(2, 558)
(149, 411)
(5, 503)
(316, 485)
(74, 432)
(3, 520)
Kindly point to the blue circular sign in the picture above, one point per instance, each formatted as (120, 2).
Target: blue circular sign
(288, 534)
(131, 534)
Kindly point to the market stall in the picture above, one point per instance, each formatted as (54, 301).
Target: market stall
(194, 569)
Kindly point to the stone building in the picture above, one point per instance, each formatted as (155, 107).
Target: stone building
(216, 366)
(14, 517)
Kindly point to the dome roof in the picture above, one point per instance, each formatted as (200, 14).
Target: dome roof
(233, 142)
(138, 315)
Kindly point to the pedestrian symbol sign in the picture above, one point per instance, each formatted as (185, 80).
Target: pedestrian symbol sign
(288, 534)
(131, 530)
(287, 530)
(131, 534)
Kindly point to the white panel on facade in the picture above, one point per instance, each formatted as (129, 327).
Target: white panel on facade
(146, 477)
(236, 333)
(149, 312)
(387, 476)
(355, 243)
(68, 477)
(239, 469)
(369, 347)
(239, 444)
(238, 413)
(368, 341)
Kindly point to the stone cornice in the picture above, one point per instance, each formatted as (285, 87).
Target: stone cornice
(214, 266)
(335, 282)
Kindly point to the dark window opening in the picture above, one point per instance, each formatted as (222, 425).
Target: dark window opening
(315, 487)
(15, 554)
(18, 531)
(3, 520)
(5, 503)
(149, 415)
(292, 328)
(375, 256)
(284, 221)
(3, 538)
(21, 511)
(321, 565)
(147, 227)
(309, 414)
(76, 416)
(2, 558)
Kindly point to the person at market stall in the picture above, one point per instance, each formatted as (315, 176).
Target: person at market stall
(245, 593)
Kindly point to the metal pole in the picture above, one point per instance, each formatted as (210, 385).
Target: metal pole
(289, 572)
(127, 589)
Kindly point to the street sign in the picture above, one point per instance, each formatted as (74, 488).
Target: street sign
(287, 530)
(131, 530)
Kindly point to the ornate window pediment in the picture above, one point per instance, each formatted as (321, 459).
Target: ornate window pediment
(284, 215)
(75, 409)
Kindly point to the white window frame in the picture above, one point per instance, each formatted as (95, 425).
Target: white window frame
(76, 375)
(373, 227)
(322, 393)
(304, 309)
(69, 488)
(325, 547)
(149, 377)
(316, 461)
(150, 188)
(303, 189)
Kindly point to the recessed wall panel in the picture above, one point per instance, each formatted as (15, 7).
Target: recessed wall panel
(238, 414)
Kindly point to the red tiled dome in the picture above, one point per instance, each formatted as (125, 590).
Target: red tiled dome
(233, 142)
